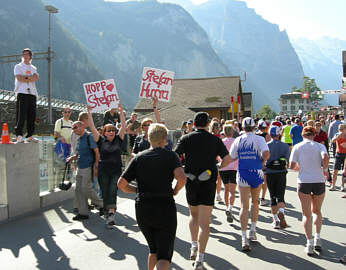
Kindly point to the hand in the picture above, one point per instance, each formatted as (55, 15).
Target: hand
(154, 101)
(62, 140)
(120, 108)
(69, 159)
(326, 175)
(89, 108)
(175, 192)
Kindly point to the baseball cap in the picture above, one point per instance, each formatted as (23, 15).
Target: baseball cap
(201, 119)
(248, 122)
(277, 118)
(262, 124)
(190, 121)
(274, 131)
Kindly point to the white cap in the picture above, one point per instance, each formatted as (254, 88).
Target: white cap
(277, 118)
(262, 123)
(248, 122)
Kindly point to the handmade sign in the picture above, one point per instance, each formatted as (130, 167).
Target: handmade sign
(156, 83)
(101, 95)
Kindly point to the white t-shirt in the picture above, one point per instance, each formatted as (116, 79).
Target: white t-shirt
(309, 156)
(23, 87)
(248, 148)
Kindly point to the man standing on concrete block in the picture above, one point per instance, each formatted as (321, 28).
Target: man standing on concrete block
(87, 156)
(25, 77)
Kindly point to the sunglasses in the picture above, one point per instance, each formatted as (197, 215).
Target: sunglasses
(75, 127)
(67, 111)
(110, 130)
(146, 125)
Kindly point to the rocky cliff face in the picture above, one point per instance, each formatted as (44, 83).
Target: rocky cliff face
(247, 43)
(25, 24)
(322, 60)
(122, 38)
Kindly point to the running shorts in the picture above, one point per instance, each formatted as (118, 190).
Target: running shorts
(200, 193)
(312, 188)
(276, 183)
(250, 178)
(228, 177)
(339, 161)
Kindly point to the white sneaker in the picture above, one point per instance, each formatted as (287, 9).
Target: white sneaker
(110, 219)
(252, 235)
(309, 249)
(198, 266)
(276, 224)
(193, 253)
(318, 244)
(32, 139)
(218, 198)
(245, 245)
(20, 139)
(342, 189)
(264, 202)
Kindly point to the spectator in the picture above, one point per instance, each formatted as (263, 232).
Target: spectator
(111, 117)
(340, 141)
(25, 77)
(132, 129)
(333, 129)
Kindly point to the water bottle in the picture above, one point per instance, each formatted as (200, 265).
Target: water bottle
(204, 176)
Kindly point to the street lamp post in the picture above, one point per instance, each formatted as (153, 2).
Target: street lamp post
(50, 10)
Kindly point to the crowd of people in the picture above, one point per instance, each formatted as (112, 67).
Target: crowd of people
(252, 155)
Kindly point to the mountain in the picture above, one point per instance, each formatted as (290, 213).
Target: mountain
(122, 38)
(26, 24)
(247, 43)
(322, 60)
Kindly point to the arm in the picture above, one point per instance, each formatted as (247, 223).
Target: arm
(22, 78)
(33, 78)
(97, 158)
(181, 179)
(294, 166)
(74, 157)
(336, 138)
(125, 187)
(123, 123)
(59, 137)
(265, 156)
(225, 161)
(93, 129)
(157, 114)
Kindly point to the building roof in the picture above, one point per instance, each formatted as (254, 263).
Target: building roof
(198, 93)
(178, 112)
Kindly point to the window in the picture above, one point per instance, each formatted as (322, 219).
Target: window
(301, 107)
(284, 108)
(301, 101)
(284, 101)
(293, 108)
(293, 101)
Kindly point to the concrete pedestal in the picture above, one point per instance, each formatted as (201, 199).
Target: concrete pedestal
(19, 178)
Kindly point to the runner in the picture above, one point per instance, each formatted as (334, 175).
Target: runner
(229, 174)
(251, 151)
(201, 149)
(262, 131)
(286, 133)
(308, 157)
(156, 213)
(296, 132)
(340, 141)
(275, 171)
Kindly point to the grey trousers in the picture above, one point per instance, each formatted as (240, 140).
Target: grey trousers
(84, 191)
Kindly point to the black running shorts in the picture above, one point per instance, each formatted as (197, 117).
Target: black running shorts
(312, 188)
(276, 183)
(228, 177)
(200, 193)
(158, 223)
(339, 161)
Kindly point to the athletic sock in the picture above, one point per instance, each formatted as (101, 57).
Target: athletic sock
(200, 257)
(194, 244)
(276, 218)
(243, 234)
(229, 208)
(310, 242)
(282, 210)
(317, 236)
(253, 226)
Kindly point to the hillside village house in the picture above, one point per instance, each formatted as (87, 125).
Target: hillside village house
(212, 95)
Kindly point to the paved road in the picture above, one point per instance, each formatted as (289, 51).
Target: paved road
(51, 240)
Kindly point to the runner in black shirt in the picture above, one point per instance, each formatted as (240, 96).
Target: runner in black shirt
(156, 213)
(201, 149)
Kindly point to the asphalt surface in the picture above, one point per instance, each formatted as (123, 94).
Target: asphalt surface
(51, 240)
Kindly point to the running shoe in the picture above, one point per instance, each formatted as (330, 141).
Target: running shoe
(276, 224)
(20, 139)
(198, 266)
(263, 202)
(229, 216)
(333, 188)
(110, 219)
(218, 198)
(193, 253)
(309, 249)
(32, 139)
(342, 189)
(252, 235)
(343, 259)
(318, 244)
(245, 245)
(283, 223)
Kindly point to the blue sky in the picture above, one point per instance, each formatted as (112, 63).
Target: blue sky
(303, 18)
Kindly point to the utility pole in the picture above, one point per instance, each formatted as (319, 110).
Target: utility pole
(51, 10)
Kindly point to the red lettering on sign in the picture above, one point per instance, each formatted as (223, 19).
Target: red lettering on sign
(87, 89)
(148, 93)
(95, 101)
(103, 84)
(158, 80)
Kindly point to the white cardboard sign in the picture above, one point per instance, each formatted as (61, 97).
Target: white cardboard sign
(156, 83)
(101, 95)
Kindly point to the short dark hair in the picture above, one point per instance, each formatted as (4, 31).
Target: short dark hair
(248, 129)
(337, 117)
(27, 50)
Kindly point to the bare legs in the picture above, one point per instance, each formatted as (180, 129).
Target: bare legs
(244, 199)
(229, 190)
(160, 265)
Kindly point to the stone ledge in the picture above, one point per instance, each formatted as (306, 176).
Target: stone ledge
(3, 212)
(50, 198)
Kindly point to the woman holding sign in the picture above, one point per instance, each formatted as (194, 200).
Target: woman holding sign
(110, 164)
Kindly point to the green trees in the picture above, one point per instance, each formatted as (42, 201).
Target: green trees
(266, 112)
(309, 85)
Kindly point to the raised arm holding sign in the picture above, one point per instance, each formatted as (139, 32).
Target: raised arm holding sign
(101, 95)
